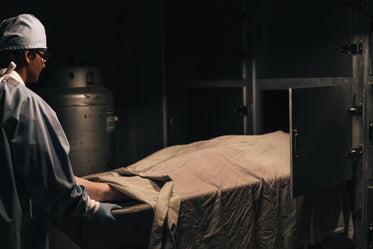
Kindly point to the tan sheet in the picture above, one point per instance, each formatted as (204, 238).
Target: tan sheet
(227, 192)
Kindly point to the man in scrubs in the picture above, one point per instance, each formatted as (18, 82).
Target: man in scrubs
(36, 177)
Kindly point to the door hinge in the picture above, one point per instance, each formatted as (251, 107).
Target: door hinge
(370, 235)
(370, 134)
(353, 5)
(352, 48)
(355, 151)
(243, 110)
(171, 124)
(356, 110)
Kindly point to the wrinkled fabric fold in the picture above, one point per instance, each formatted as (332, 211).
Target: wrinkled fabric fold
(156, 190)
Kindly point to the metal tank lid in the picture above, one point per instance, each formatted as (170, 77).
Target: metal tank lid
(71, 77)
(77, 96)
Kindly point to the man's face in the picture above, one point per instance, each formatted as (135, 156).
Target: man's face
(36, 65)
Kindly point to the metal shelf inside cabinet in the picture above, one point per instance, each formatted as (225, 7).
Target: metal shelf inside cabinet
(205, 83)
(286, 83)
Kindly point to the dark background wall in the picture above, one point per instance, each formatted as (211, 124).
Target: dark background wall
(123, 40)
(200, 40)
(126, 40)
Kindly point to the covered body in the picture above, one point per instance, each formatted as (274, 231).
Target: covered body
(227, 192)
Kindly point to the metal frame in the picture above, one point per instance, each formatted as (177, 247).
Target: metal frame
(360, 81)
(360, 128)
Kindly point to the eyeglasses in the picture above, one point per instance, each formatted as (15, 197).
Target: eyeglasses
(45, 55)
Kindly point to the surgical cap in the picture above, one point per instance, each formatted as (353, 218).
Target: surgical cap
(22, 32)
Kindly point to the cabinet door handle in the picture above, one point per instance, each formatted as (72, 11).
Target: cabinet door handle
(296, 143)
(355, 152)
(371, 132)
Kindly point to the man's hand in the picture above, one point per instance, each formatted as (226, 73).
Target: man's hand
(100, 191)
(103, 214)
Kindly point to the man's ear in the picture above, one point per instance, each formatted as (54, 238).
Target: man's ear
(27, 56)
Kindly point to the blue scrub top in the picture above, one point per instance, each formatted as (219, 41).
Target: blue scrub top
(36, 177)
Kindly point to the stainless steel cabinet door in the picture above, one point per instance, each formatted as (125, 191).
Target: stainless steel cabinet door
(321, 132)
(302, 39)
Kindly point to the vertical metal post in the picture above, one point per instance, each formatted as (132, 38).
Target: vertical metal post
(360, 127)
(249, 68)
(368, 117)
(365, 22)
(256, 101)
(244, 59)
(246, 28)
(244, 98)
(291, 140)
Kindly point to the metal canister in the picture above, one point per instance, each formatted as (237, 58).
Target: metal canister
(86, 112)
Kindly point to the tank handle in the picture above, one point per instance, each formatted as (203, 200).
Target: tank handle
(90, 78)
